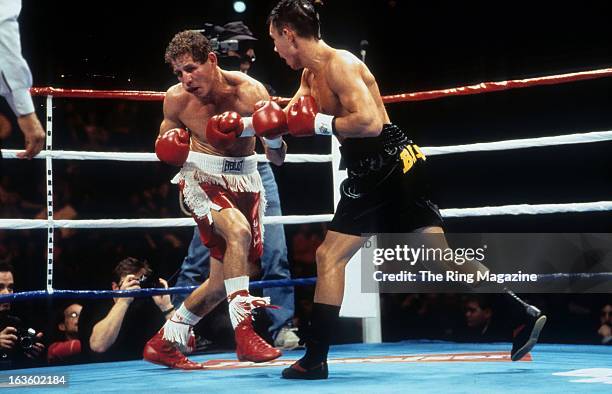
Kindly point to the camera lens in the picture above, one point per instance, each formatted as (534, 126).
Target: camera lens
(26, 340)
(149, 282)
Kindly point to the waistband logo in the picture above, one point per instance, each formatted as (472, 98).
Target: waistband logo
(233, 165)
(324, 130)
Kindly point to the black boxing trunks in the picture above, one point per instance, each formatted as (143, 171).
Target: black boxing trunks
(387, 189)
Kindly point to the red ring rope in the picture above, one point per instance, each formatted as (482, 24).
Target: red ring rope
(483, 87)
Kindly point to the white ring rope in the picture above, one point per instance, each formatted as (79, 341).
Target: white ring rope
(26, 224)
(142, 157)
(518, 209)
(527, 209)
(579, 138)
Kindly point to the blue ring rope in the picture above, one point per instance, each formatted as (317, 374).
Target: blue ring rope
(97, 294)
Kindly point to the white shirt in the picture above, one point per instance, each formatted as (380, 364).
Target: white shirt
(15, 75)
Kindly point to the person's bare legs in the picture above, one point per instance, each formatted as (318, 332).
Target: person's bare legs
(210, 293)
(178, 330)
(231, 278)
(233, 227)
(235, 230)
(332, 257)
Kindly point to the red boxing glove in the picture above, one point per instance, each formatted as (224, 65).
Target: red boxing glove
(269, 120)
(304, 120)
(223, 130)
(172, 147)
(63, 351)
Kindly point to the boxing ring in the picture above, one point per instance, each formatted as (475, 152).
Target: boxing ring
(394, 367)
(411, 366)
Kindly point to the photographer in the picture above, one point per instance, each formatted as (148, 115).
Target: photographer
(118, 329)
(20, 346)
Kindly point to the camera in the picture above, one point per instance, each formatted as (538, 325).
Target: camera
(223, 47)
(26, 338)
(149, 282)
(219, 45)
(233, 36)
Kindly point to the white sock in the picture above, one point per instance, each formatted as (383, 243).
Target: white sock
(240, 306)
(238, 283)
(184, 315)
(178, 329)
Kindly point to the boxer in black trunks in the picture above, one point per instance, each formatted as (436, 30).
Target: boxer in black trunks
(386, 189)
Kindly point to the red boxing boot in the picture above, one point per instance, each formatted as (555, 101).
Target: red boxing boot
(250, 346)
(163, 352)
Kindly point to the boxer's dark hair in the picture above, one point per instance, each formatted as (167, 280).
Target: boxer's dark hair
(128, 266)
(300, 15)
(188, 42)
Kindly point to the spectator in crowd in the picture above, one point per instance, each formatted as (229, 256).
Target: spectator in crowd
(605, 328)
(68, 348)
(479, 323)
(118, 329)
(20, 346)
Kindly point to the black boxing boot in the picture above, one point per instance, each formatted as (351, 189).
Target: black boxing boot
(313, 365)
(530, 323)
